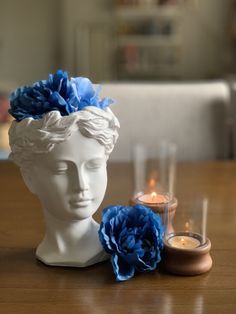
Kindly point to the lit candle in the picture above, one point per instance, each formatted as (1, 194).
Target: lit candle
(159, 203)
(186, 254)
(184, 242)
(153, 198)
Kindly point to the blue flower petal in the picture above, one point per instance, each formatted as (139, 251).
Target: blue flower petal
(109, 212)
(95, 98)
(143, 266)
(105, 240)
(123, 271)
(105, 102)
(84, 88)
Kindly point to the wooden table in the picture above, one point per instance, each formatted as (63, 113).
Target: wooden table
(28, 286)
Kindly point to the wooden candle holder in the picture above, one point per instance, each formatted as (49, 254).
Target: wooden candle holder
(187, 262)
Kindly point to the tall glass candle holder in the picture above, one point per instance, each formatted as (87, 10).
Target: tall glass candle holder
(187, 249)
(154, 179)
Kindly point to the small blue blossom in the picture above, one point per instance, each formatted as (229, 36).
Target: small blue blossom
(134, 238)
(57, 93)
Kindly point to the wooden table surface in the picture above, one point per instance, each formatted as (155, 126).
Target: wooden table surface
(28, 286)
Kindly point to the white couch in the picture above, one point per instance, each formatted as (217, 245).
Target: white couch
(193, 115)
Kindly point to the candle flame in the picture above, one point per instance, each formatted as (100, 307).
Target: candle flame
(154, 196)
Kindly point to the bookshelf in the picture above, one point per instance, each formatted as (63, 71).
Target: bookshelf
(148, 38)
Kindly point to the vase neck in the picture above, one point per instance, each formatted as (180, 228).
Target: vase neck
(68, 228)
(70, 243)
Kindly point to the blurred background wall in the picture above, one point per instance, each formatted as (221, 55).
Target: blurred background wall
(29, 40)
(116, 40)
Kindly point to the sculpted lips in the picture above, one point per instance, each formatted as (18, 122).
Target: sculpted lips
(81, 201)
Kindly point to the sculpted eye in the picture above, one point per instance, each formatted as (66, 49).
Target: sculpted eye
(59, 168)
(95, 163)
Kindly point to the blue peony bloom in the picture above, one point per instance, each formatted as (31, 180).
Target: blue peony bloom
(134, 238)
(57, 93)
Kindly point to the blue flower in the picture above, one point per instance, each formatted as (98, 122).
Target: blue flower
(86, 95)
(134, 238)
(57, 93)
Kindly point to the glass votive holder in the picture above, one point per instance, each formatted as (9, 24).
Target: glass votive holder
(187, 249)
(154, 180)
(162, 204)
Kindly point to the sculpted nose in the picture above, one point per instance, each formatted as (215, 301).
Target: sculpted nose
(81, 179)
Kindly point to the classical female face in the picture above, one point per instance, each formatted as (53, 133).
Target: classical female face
(71, 180)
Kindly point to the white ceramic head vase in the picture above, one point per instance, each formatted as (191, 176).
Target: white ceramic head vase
(63, 162)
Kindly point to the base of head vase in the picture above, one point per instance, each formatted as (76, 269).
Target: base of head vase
(101, 257)
(59, 249)
(67, 262)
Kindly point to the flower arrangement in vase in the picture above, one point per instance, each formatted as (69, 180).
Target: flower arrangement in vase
(61, 139)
